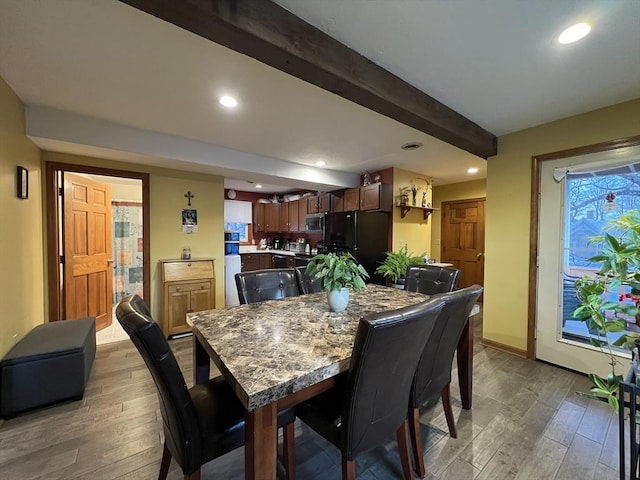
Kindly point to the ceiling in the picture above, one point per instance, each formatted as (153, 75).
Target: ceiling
(107, 80)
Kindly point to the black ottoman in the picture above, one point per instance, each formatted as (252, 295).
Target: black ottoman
(51, 363)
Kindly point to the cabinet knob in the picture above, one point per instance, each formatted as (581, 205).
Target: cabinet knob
(201, 287)
(189, 264)
(178, 289)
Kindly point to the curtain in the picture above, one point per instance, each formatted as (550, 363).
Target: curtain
(127, 249)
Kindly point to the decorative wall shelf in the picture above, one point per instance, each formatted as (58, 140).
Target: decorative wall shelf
(426, 211)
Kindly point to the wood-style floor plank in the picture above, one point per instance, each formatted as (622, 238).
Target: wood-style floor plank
(526, 423)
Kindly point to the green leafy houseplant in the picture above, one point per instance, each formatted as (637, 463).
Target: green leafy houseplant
(610, 301)
(395, 264)
(337, 271)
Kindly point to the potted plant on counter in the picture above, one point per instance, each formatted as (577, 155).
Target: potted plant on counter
(394, 266)
(610, 301)
(339, 273)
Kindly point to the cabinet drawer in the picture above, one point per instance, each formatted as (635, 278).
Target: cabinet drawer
(193, 270)
(188, 287)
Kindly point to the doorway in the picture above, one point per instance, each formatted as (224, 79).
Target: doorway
(88, 267)
(564, 216)
(463, 223)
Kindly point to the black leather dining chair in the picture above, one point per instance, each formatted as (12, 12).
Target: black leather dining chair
(307, 283)
(431, 279)
(371, 402)
(271, 284)
(433, 374)
(202, 422)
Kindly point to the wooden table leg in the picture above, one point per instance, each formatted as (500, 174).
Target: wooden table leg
(201, 362)
(261, 443)
(465, 364)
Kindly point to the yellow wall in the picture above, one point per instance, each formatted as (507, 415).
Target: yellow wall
(411, 230)
(509, 204)
(450, 193)
(21, 237)
(166, 191)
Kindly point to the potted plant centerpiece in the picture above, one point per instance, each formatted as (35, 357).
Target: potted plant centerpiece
(394, 266)
(339, 273)
(610, 301)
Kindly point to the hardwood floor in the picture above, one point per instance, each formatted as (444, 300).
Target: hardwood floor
(526, 423)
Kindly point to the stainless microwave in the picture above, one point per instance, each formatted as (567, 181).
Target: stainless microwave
(314, 223)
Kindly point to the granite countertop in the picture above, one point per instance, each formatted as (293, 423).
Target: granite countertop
(274, 348)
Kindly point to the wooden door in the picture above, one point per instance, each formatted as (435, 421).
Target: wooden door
(463, 239)
(88, 262)
(312, 204)
(324, 202)
(258, 217)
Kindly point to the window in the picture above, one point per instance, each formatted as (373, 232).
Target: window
(591, 199)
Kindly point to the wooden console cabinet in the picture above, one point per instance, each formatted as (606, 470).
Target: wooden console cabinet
(187, 286)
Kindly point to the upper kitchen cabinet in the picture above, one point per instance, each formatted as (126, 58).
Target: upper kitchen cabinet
(312, 204)
(272, 217)
(284, 217)
(302, 213)
(351, 199)
(376, 196)
(294, 216)
(258, 217)
(325, 202)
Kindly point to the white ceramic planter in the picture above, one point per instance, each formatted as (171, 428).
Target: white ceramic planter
(338, 299)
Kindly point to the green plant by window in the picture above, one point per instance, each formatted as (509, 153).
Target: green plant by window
(602, 305)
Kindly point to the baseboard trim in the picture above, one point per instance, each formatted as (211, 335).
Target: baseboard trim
(504, 348)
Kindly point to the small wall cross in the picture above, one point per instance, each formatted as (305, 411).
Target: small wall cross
(189, 196)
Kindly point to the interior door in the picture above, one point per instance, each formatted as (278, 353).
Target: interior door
(463, 239)
(86, 231)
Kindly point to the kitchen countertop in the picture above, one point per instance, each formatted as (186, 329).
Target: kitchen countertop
(254, 249)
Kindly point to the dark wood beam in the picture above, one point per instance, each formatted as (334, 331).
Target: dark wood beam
(272, 35)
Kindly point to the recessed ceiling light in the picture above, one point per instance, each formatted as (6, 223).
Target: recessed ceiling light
(228, 101)
(411, 146)
(320, 163)
(258, 185)
(472, 170)
(574, 33)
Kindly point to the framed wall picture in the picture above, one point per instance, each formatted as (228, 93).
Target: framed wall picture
(22, 176)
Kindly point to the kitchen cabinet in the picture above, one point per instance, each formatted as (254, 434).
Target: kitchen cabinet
(255, 261)
(258, 217)
(271, 217)
(324, 202)
(187, 286)
(302, 214)
(284, 217)
(351, 199)
(294, 216)
(370, 196)
(312, 204)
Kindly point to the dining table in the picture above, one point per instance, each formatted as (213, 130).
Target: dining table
(278, 353)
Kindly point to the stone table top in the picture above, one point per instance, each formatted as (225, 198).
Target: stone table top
(271, 349)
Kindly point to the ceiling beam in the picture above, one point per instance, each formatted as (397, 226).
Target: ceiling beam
(272, 35)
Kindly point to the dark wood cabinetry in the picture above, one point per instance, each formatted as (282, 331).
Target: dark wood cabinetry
(272, 217)
(284, 217)
(312, 204)
(255, 261)
(302, 214)
(294, 217)
(325, 202)
(258, 217)
(371, 197)
(351, 199)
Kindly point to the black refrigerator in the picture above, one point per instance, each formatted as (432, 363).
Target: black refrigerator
(365, 235)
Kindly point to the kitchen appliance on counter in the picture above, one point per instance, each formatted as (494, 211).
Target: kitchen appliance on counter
(232, 264)
(278, 244)
(365, 235)
(314, 223)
